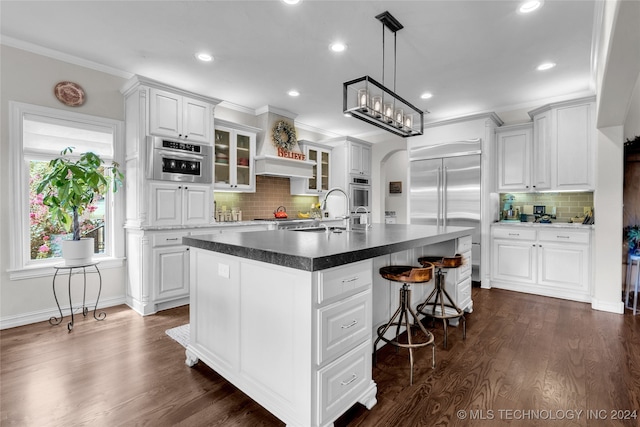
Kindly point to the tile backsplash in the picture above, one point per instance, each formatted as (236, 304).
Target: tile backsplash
(568, 205)
(271, 192)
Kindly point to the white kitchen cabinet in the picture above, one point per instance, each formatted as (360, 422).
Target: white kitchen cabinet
(541, 152)
(514, 158)
(235, 147)
(563, 259)
(552, 261)
(350, 164)
(556, 152)
(171, 272)
(513, 255)
(359, 158)
(574, 135)
(178, 116)
(297, 342)
(180, 204)
(319, 182)
(158, 270)
(564, 141)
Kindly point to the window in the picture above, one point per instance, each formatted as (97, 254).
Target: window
(39, 134)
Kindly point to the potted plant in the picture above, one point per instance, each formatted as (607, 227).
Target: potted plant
(632, 235)
(69, 188)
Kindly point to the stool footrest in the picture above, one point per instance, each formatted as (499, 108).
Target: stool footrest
(434, 314)
(397, 343)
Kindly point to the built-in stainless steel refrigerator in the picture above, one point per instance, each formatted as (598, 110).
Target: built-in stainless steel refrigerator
(445, 188)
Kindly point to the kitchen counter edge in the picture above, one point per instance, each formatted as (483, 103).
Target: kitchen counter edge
(242, 246)
(570, 225)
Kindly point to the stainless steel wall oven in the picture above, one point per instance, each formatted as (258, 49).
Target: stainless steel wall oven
(360, 193)
(180, 161)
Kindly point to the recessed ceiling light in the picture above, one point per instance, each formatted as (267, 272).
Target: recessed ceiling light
(204, 57)
(426, 95)
(293, 92)
(546, 66)
(338, 47)
(292, 1)
(530, 6)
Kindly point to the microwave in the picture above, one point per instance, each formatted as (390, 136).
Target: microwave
(171, 160)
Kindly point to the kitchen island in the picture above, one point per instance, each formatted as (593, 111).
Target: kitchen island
(286, 315)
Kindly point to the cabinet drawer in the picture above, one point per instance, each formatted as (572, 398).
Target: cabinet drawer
(464, 293)
(560, 235)
(344, 280)
(343, 325)
(168, 239)
(464, 244)
(341, 381)
(514, 233)
(464, 270)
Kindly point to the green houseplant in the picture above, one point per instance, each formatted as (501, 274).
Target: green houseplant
(69, 188)
(632, 235)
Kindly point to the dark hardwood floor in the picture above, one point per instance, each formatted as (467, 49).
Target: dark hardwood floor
(527, 361)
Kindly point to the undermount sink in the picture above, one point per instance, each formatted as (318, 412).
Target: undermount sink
(320, 229)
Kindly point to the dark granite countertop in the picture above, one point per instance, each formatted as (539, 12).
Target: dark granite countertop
(311, 251)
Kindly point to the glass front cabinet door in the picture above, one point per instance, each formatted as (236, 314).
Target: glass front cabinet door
(235, 147)
(319, 182)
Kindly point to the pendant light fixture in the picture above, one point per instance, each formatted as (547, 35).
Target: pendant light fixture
(367, 100)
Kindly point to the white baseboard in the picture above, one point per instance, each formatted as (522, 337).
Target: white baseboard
(610, 306)
(40, 316)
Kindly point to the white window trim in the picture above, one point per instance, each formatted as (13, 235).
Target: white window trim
(21, 267)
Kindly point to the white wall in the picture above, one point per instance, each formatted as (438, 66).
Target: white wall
(618, 59)
(632, 122)
(395, 169)
(30, 78)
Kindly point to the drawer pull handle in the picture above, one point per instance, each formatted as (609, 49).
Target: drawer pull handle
(352, 379)
(350, 280)
(350, 325)
(175, 238)
(563, 237)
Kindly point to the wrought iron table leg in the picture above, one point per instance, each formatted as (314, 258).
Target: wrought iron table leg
(84, 292)
(54, 320)
(70, 324)
(102, 315)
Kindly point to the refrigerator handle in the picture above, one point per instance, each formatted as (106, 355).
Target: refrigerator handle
(444, 197)
(439, 197)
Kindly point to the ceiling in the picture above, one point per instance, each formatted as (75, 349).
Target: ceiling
(474, 56)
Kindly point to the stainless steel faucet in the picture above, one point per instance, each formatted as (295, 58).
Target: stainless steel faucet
(347, 215)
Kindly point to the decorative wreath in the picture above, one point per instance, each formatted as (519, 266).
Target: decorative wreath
(284, 135)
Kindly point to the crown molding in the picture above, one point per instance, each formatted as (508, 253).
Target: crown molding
(237, 107)
(275, 110)
(65, 57)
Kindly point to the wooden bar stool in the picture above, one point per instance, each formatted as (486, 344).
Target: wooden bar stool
(405, 315)
(435, 305)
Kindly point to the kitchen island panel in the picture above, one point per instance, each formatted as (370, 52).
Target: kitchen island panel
(251, 323)
(275, 320)
(302, 303)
